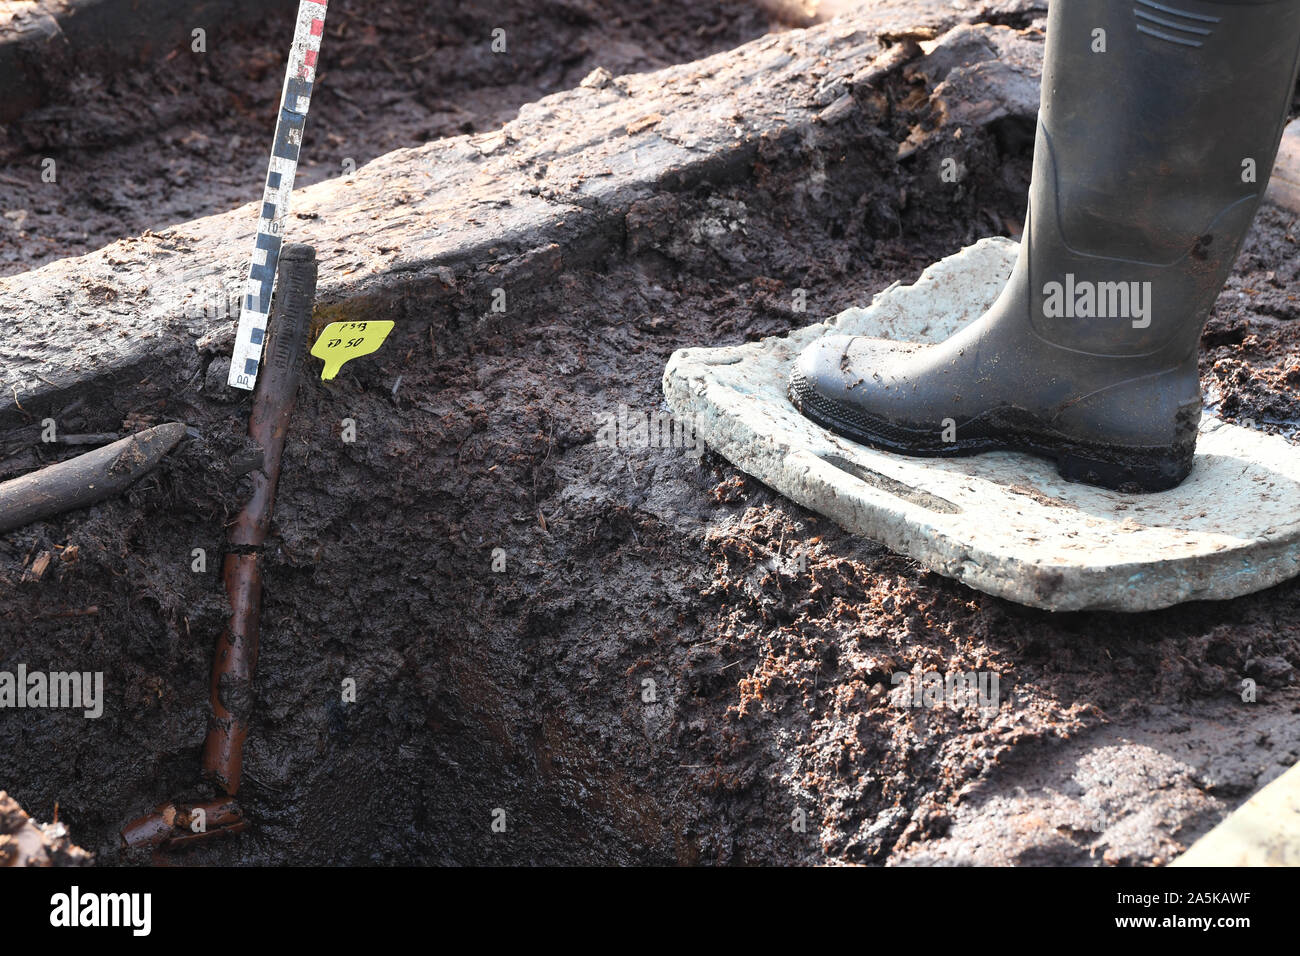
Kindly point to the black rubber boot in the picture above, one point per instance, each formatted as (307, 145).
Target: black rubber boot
(1156, 137)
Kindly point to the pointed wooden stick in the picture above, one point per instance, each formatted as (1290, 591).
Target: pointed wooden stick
(86, 479)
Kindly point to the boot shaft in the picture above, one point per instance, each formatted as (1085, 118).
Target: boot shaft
(1158, 130)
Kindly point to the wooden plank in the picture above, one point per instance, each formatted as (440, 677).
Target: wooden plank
(1284, 186)
(548, 190)
(1263, 831)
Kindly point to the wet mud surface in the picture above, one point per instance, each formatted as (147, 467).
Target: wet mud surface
(637, 653)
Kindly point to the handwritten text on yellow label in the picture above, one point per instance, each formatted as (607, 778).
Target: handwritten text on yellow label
(341, 342)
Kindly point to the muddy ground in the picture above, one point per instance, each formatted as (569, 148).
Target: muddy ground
(770, 636)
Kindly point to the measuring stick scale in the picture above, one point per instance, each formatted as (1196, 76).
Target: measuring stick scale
(295, 99)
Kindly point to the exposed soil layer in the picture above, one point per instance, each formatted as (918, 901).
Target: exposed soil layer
(189, 135)
(638, 654)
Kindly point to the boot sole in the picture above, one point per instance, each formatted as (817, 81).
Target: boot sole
(1117, 467)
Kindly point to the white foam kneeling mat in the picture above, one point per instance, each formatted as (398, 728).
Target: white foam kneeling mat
(1002, 522)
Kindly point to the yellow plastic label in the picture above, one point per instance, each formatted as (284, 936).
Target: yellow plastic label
(341, 342)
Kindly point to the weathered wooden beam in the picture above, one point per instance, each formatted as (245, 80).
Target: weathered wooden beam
(547, 191)
(977, 76)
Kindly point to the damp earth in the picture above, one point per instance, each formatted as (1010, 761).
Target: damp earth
(638, 653)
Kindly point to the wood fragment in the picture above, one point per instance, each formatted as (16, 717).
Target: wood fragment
(39, 567)
(1284, 187)
(174, 825)
(86, 479)
(231, 688)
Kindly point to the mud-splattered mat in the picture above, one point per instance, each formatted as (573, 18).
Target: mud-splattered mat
(1001, 522)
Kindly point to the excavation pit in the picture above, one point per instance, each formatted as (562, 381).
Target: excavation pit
(636, 653)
